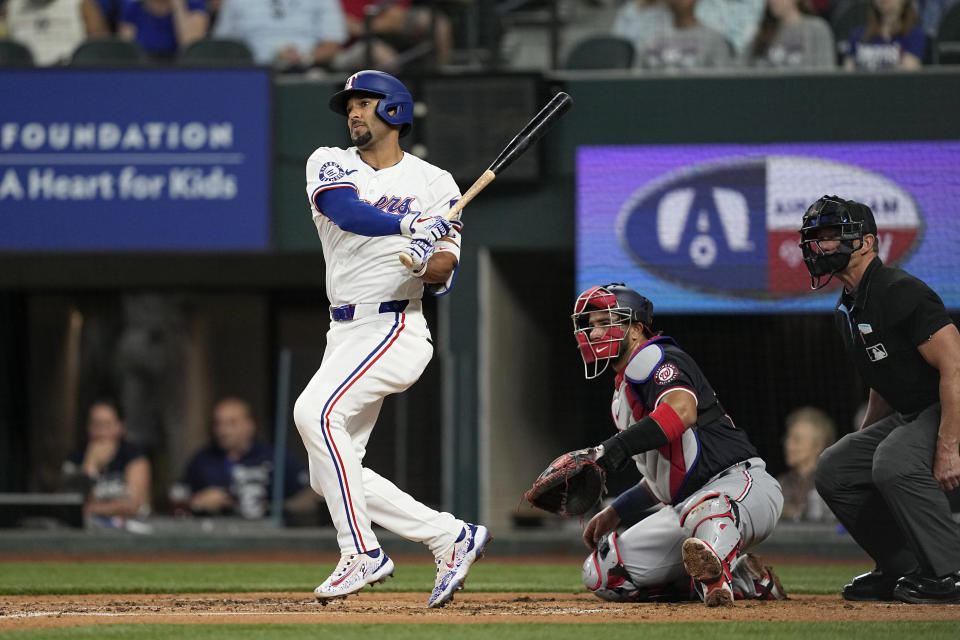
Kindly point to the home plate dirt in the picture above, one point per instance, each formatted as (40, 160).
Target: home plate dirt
(33, 612)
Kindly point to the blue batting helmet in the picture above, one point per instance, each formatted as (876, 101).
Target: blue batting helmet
(393, 97)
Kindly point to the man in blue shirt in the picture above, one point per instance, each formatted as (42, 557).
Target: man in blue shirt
(234, 473)
(163, 27)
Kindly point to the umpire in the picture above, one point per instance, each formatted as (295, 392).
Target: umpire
(887, 482)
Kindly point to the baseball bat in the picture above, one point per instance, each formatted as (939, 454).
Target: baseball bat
(530, 133)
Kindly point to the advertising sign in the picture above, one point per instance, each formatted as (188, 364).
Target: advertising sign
(714, 228)
(149, 159)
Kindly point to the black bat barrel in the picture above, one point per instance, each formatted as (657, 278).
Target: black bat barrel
(534, 130)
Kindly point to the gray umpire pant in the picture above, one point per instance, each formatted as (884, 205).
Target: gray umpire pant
(879, 483)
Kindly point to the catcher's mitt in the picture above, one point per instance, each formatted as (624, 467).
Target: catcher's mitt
(570, 486)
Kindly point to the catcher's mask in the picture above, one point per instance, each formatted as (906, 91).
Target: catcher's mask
(833, 218)
(601, 319)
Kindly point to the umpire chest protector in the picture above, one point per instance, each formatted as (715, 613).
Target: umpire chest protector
(881, 323)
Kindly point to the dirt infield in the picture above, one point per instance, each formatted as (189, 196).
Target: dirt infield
(35, 612)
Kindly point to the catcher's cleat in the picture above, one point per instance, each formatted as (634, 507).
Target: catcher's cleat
(711, 579)
(455, 562)
(353, 573)
(766, 585)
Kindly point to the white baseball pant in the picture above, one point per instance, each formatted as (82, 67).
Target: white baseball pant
(366, 359)
(650, 549)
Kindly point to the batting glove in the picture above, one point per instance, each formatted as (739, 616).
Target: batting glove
(433, 227)
(420, 249)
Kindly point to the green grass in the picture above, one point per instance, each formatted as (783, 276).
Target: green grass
(512, 631)
(35, 578)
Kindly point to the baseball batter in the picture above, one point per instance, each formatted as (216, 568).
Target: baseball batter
(369, 203)
(705, 496)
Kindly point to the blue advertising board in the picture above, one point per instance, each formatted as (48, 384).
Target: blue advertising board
(147, 159)
(714, 228)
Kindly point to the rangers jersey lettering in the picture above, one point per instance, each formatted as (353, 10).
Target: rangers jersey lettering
(364, 269)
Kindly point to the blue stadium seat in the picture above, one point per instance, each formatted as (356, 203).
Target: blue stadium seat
(101, 52)
(216, 51)
(601, 52)
(14, 54)
(946, 45)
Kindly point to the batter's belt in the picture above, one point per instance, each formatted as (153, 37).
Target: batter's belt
(348, 312)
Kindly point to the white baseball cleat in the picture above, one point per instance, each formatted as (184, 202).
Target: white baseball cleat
(453, 564)
(710, 578)
(354, 572)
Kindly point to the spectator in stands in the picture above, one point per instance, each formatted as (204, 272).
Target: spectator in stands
(688, 45)
(103, 17)
(891, 39)
(791, 37)
(640, 20)
(931, 12)
(292, 36)
(163, 27)
(114, 472)
(234, 473)
(51, 29)
(213, 10)
(809, 432)
(397, 26)
(735, 20)
(823, 8)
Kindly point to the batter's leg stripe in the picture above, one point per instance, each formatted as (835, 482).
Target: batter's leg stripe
(354, 375)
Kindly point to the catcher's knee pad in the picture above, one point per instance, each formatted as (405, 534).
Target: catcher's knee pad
(604, 574)
(713, 518)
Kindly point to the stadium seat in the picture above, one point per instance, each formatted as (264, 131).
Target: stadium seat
(946, 46)
(216, 51)
(14, 54)
(848, 15)
(101, 52)
(601, 52)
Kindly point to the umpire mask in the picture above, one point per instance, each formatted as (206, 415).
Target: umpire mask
(833, 218)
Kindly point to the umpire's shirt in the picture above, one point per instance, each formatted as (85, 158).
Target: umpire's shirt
(882, 322)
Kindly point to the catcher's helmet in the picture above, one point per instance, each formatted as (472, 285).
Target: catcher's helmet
(833, 218)
(623, 306)
(392, 93)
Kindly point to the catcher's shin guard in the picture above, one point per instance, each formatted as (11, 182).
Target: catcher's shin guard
(604, 574)
(711, 522)
(714, 519)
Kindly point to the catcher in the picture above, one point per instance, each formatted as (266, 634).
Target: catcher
(705, 496)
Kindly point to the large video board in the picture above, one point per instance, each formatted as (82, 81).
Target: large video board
(714, 228)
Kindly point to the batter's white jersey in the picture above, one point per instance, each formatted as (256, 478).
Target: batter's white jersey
(379, 346)
(361, 269)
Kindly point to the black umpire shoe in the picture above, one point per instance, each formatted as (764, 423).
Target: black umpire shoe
(919, 589)
(871, 587)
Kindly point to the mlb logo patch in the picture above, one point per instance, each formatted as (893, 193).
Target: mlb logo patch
(331, 171)
(876, 352)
